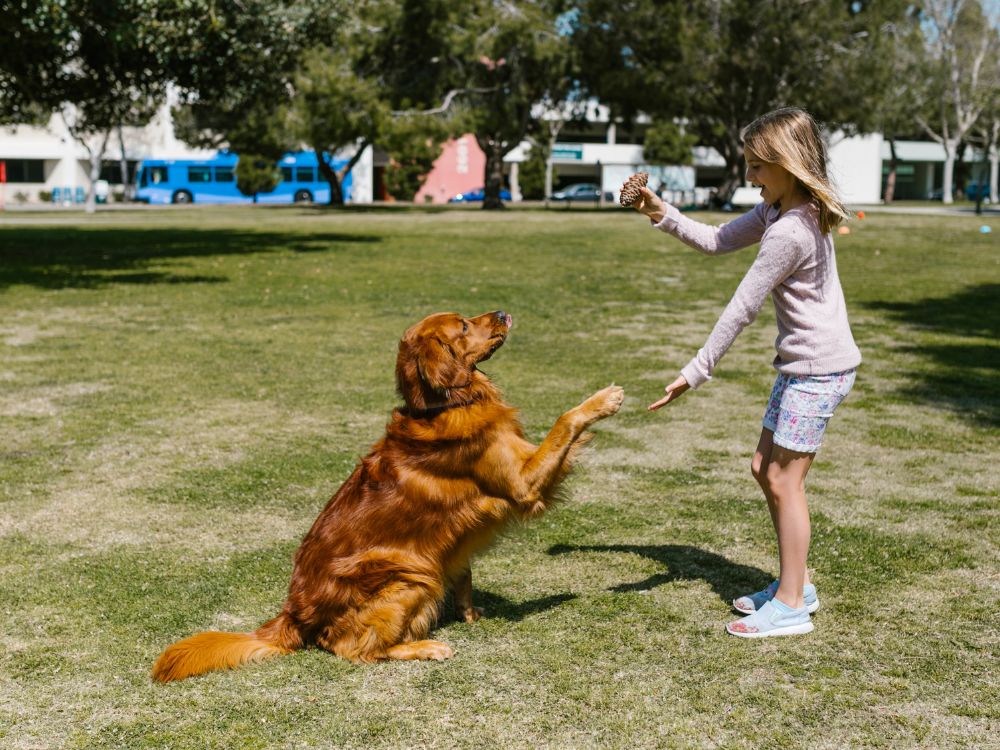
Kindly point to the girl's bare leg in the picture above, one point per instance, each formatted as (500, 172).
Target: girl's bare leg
(786, 481)
(793, 501)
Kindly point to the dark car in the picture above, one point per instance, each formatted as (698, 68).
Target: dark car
(582, 191)
(976, 190)
(477, 194)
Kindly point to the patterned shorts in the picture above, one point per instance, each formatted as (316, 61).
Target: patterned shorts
(801, 405)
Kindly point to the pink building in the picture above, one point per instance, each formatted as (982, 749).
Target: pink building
(458, 169)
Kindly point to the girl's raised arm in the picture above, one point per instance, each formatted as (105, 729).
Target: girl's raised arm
(741, 232)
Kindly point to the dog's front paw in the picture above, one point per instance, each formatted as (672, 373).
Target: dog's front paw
(469, 614)
(605, 402)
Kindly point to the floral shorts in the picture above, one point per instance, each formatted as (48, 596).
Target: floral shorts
(801, 405)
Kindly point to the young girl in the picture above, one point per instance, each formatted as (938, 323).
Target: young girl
(817, 356)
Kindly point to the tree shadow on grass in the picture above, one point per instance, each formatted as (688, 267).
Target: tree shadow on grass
(683, 563)
(88, 258)
(964, 375)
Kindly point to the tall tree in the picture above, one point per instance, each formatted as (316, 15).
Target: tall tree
(511, 56)
(883, 78)
(962, 43)
(334, 108)
(234, 63)
(719, 64)
(100, 65)
(35, 37)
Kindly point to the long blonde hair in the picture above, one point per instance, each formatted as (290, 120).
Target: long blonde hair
(790, 138)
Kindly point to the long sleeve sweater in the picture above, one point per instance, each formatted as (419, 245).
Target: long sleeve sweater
(797, 266)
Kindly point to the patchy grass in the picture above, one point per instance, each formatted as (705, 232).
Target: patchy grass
(181, 391)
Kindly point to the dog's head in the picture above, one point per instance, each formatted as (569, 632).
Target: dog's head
(437, 358)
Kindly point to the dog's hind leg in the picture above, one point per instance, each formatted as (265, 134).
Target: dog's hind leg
(393, 625)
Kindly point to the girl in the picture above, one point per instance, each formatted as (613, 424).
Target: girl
(817, 356)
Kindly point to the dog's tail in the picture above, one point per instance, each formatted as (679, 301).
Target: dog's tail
(209, 651)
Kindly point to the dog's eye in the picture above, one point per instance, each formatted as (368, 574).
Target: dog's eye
(465, 327)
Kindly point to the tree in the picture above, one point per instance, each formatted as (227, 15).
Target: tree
(413, 143)
(886, 76)
(961, 40)
(35, 38)
(510, 57)
(716, 65)
(668, 143)
(100, 65)
(234, 63)
(334, 108)
(256, 174)
(535, 181)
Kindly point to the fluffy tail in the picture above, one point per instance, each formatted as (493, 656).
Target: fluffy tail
(209, 651)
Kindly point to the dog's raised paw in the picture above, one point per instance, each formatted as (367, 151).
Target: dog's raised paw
(606, 401)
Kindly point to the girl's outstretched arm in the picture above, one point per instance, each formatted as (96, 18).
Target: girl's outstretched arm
(741, 232)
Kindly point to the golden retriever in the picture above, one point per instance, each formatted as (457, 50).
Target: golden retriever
(452, 469)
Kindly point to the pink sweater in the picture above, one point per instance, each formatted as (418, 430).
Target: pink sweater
(797, 266)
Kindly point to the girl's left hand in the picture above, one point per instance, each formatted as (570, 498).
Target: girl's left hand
(674, 391)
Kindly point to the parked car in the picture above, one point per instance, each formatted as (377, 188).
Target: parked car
(477, 194)
(582, 191)
(976, 190)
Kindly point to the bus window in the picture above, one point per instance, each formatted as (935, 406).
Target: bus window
(286, 174)
(223, 174)
(199, 174)
(304, 174)
(153, 175)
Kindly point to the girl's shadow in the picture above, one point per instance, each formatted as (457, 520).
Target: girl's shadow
(683, 563)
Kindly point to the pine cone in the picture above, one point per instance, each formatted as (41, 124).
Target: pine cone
(631, 189)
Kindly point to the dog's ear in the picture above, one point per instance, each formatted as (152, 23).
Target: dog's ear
(438, 367)
(425, 369)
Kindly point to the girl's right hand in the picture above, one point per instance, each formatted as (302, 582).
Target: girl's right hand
(649, 204)
(674, 391)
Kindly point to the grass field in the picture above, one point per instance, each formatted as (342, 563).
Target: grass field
(182, 391)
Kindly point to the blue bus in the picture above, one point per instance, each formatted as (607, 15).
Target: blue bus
(214, 180)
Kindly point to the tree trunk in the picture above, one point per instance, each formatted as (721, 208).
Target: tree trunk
(732, 151)
(994, 173)
(890, 180)
(548, 170)
(494, 172)
(336, 194)
(96, 157)
(947, 191)
(123, 165)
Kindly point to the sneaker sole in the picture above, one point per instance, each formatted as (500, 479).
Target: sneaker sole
(806, 627)
(810, 608)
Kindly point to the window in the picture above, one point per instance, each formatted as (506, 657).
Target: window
(199, 174)
(25, 170)
(305, 174)
(286, 174)
(111, 171)
(223, 174)
(152, 176)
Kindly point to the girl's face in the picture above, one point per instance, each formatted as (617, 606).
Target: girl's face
(777, 183)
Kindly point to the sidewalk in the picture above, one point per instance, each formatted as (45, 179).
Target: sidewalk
(933, 210)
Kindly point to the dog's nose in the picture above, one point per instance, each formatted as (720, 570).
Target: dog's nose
(503, 317)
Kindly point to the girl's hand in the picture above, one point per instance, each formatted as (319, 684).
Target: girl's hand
(674, 391)
(649, 204)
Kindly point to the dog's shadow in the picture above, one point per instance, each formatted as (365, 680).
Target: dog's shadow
(728, 580)
(497, 607)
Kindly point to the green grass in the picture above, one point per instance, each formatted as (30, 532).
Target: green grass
(181, 391)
